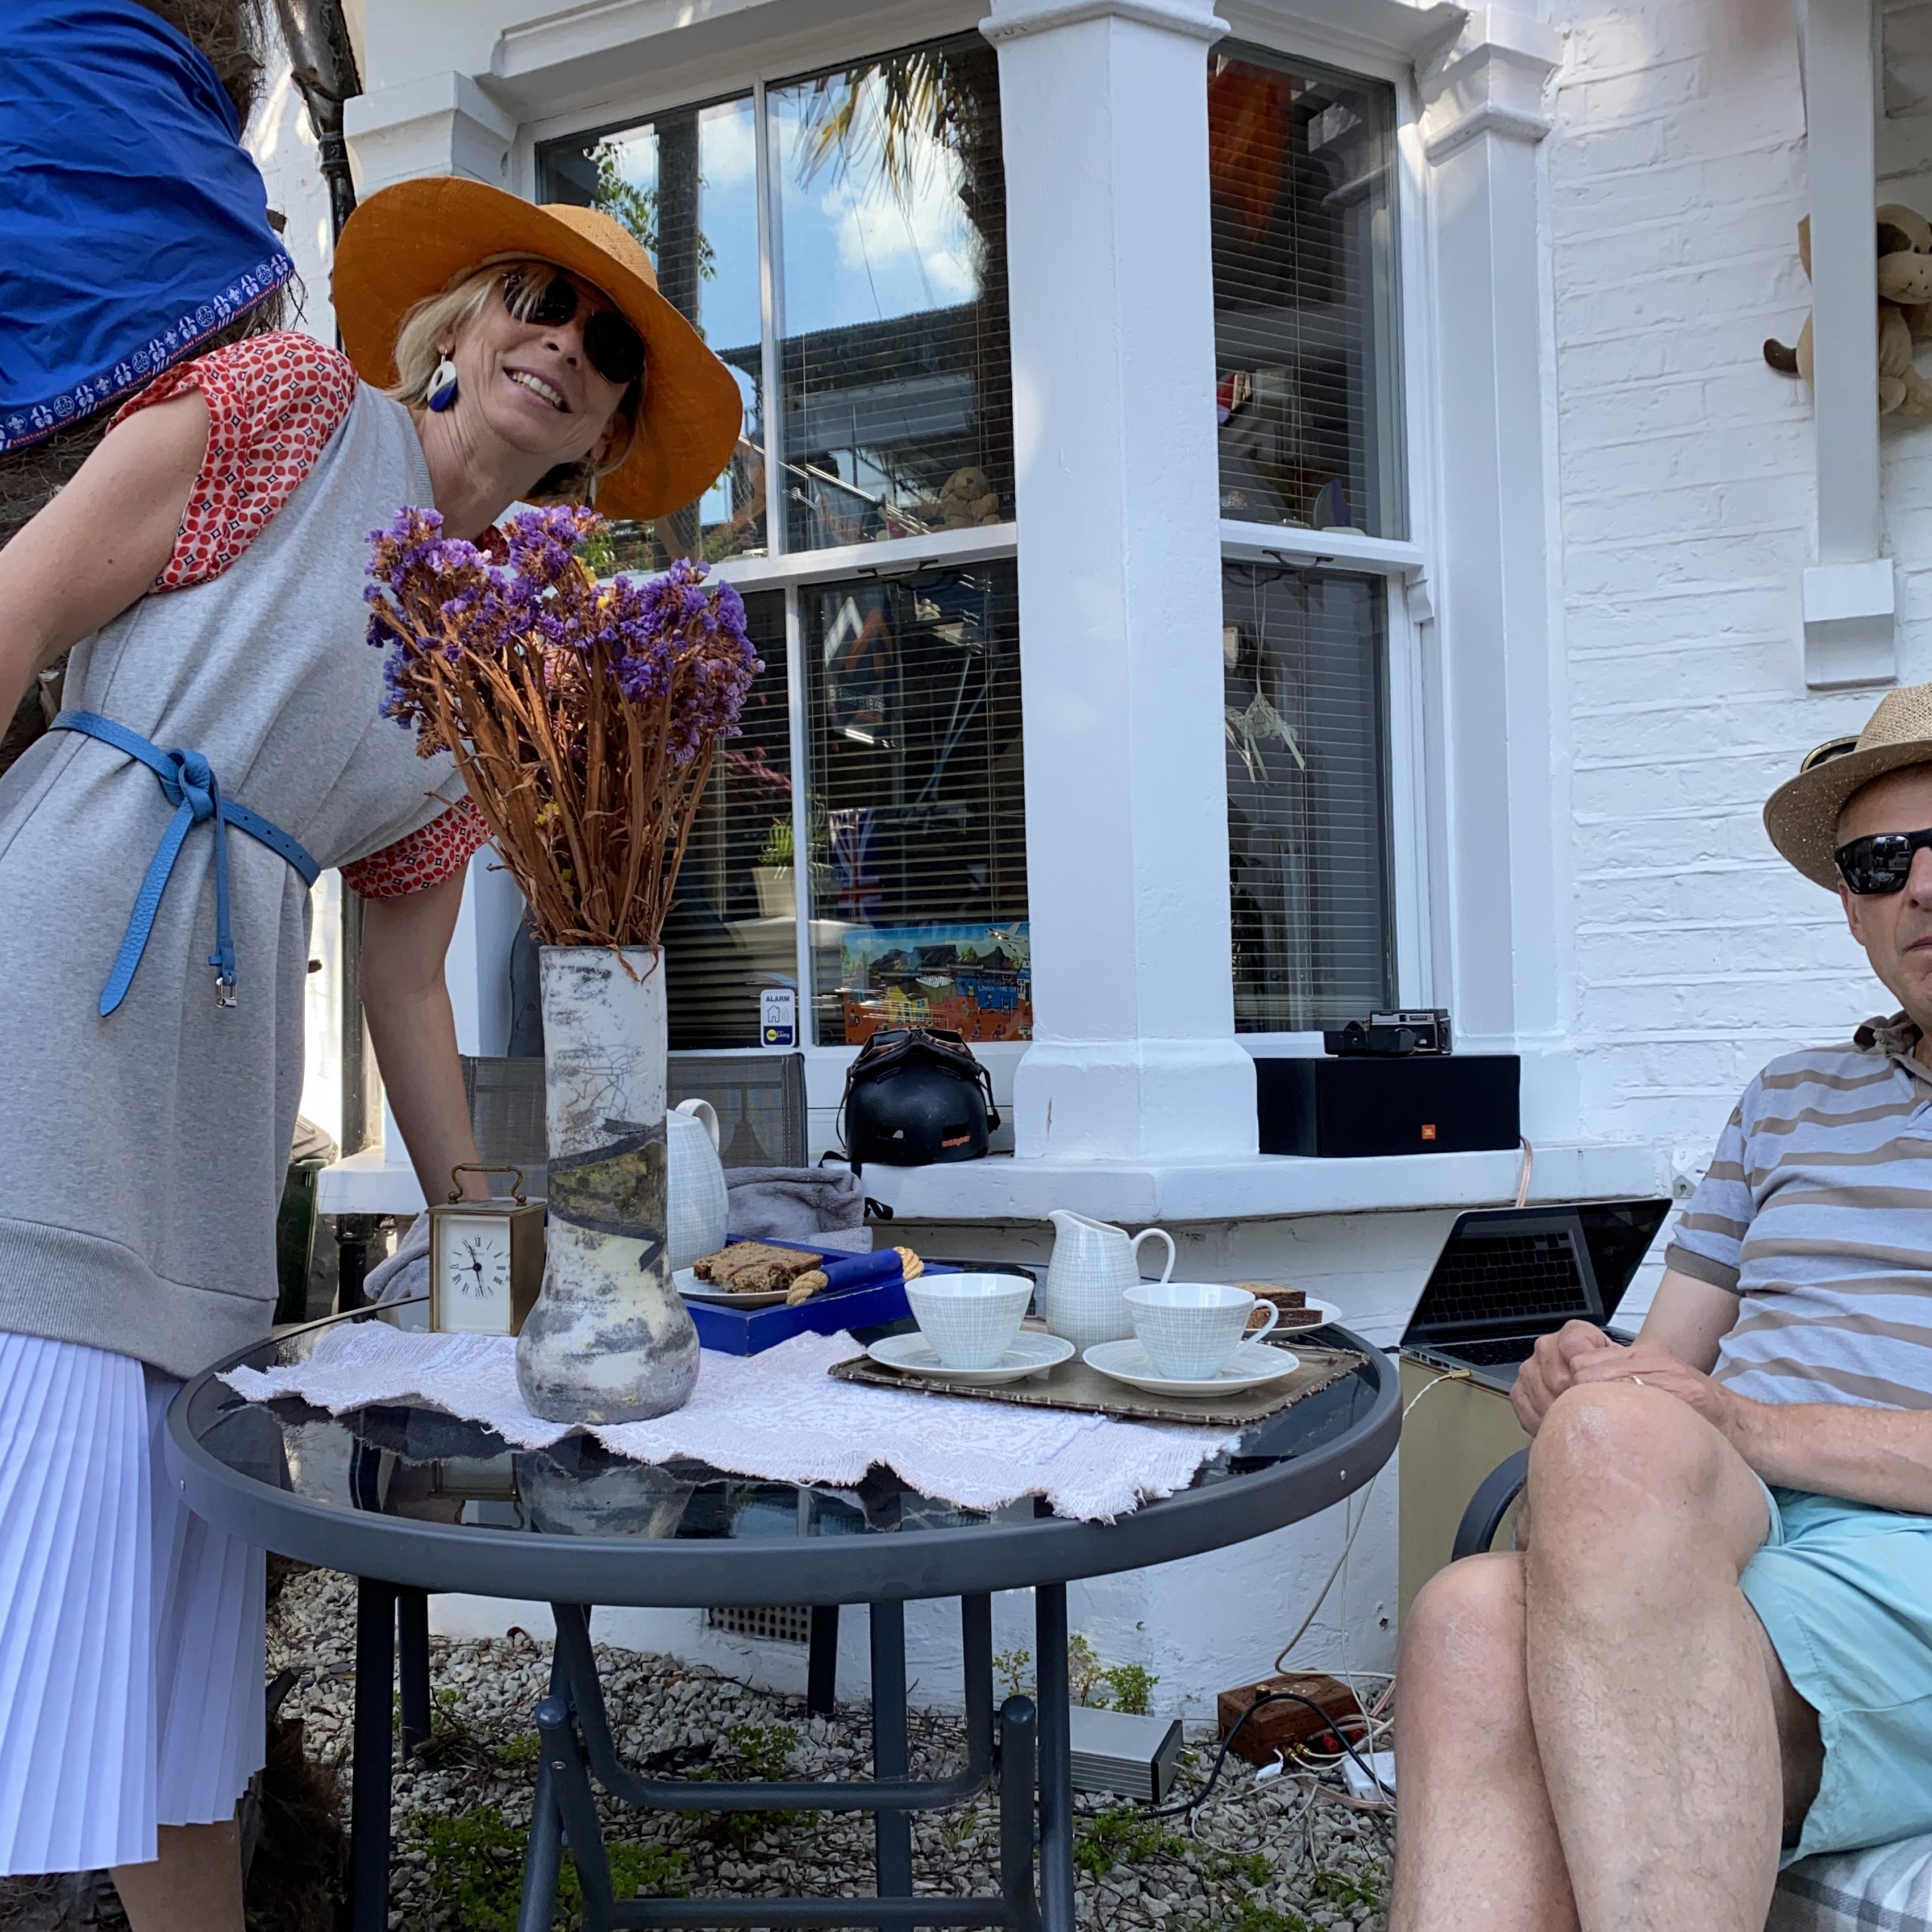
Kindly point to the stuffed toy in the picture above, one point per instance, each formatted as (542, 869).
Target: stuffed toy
(967, 497)
(1904, 246)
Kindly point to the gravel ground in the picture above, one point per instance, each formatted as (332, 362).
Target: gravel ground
(1279, 1857)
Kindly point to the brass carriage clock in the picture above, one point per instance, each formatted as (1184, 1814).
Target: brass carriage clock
(486, 1259)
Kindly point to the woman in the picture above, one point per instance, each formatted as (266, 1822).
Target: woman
(206, 565)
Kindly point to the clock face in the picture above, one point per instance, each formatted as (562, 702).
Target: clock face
(475, 1275)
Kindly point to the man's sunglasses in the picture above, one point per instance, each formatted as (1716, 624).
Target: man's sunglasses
(1882, 863)
(615, 349)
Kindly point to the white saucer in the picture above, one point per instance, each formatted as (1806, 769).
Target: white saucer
(692, 1289)
(1029, 1355)
(1254, 1365)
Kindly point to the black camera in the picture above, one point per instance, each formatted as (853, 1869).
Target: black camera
(1393, 1035)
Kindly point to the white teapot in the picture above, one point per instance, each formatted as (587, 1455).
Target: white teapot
(1094, 1265)
(696, 1210)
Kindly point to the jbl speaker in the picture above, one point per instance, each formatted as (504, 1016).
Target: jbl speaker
(1422, 1103)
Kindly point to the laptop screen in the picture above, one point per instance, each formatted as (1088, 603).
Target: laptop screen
(1528, 1270)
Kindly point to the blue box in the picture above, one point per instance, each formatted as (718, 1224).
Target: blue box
(749, 1331)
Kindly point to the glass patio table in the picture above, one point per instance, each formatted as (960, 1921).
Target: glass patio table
(408, 1499)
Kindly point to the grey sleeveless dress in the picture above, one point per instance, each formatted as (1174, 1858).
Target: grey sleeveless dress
(142, 1156)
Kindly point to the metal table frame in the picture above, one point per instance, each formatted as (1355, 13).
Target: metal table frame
(396, 1560)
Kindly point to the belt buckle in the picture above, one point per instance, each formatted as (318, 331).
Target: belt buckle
(224, 991)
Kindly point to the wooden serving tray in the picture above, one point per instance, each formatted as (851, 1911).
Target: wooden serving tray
(1074, 1386)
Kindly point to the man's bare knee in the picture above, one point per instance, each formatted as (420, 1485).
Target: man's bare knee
(1466, 1624)
(1603, 1451)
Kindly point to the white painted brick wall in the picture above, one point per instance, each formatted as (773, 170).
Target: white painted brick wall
(1676, 178)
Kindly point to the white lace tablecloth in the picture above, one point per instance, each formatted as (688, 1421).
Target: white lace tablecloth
(780, 1416)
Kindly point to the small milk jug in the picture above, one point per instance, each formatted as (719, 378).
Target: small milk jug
(1094, 1263)
(696, 1207)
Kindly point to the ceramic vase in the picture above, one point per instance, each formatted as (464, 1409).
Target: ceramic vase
(609, 1339)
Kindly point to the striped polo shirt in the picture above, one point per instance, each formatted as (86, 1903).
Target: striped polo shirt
(1817, 1212)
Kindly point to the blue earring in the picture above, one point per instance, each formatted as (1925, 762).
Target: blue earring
(442, 386)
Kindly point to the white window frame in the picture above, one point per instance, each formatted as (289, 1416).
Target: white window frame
(1404, 564)
(782, 568)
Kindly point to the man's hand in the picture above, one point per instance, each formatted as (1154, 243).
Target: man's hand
(1553, 1367)
(1644, 1362)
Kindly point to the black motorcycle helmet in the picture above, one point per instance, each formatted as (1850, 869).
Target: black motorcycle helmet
(915, 1095)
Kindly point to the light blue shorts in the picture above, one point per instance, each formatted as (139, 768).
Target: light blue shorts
(1845, 1591)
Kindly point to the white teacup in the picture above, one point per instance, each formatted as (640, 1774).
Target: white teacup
(971, 1320)
(1190, 1329)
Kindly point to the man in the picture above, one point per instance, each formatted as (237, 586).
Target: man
(1715, 1653)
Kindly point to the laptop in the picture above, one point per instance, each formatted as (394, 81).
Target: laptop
(1508, 1275)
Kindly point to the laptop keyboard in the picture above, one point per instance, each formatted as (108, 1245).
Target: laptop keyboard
(1524, 1277)
(1489, 1354)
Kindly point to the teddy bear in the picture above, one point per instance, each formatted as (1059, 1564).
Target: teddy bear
(967, 497)
(1904, 246)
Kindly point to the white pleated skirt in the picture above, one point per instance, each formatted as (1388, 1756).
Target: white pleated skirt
(131, 1631)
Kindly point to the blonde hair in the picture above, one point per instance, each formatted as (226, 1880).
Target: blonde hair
(443, 317)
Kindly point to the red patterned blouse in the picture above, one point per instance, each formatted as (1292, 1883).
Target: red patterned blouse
(274, 400)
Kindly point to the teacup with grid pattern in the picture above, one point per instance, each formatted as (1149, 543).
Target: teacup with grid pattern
(1190, 1329)
(971, 1320)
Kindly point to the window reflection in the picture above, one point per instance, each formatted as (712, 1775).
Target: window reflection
(730, 933)
(1301, 166)
(1304, 709)
(685, 185)
(897, 416)
(919, 873)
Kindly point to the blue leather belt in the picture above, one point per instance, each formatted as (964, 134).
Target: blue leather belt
(189, 786)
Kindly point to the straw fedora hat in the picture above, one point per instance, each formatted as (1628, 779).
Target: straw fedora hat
(410, 241)
(1802, 815)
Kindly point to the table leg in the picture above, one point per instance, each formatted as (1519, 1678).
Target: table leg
(822, 1662)
(543, 1857)
(375, 1750)
(891, 1757)
(412, 1616)
(1056, 1760)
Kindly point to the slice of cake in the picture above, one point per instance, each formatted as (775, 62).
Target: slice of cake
(1292, 1303)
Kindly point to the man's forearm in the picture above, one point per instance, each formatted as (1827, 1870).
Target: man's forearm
(1865, 1455)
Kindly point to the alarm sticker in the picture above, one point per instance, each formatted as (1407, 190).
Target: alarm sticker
(778, 1016)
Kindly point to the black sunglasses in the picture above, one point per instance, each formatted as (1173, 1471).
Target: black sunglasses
(615, 349)
(1881, 863)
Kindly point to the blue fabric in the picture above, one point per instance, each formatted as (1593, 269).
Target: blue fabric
(190, 786)
(1845, 1591)
(133, 225)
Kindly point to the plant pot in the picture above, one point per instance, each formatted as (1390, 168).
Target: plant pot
(609, 1339)
(777, 891)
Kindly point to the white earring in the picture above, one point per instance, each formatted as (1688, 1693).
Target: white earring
(442, 386)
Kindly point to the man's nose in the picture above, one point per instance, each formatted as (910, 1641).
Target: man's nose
(1918, 881)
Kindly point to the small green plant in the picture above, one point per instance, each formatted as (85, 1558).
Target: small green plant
(779, 850)
(1122, 1835)
(1352, 1890)
(1129, 1687)
(1249, 1917)
(597, 553)
(1249, 1868)
(474, 1862)
(1014, 1671)
(760, 1751)
(524, 1748)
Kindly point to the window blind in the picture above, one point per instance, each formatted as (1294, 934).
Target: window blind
(1305, 709)
(891, 277)
(918, 816)
(685, 185)
(730, 931)
(1300, 166)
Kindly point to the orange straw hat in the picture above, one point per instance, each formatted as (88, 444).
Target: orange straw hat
(410, 241)
(1802, 814)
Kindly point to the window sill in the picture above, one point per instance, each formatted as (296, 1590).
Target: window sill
(1004, 1188)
